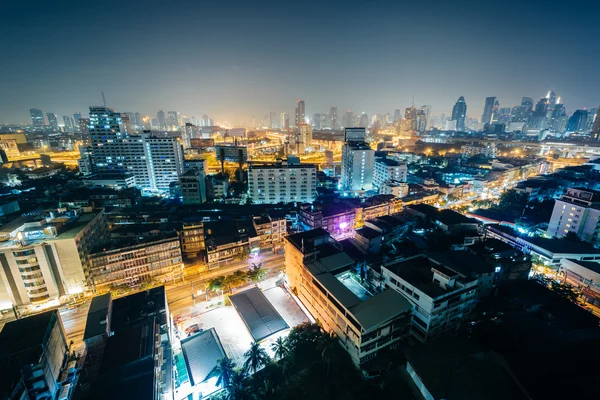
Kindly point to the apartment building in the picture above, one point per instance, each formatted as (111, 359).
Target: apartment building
(388, 170)
(123, 263)
(271, 230)
(442, 297)
(282, 182)
(320, 273)
(489, 151)
(45, 258)
(577, 212)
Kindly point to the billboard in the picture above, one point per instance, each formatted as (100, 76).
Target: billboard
(232, 153)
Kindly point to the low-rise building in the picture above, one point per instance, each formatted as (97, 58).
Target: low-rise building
(386, 169)
(126, 263)
(489, 151)
(271, 230)
(192, 240)
(192, 186)
(442, 297)
(217, 186)
(320, 273)
(227, 241)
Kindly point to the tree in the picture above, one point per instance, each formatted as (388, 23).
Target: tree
(328, 347)
(257, 273)
(238, 278)
(238, 388)
(223, 371)
(513, 201)
(280, 348)
(256, 357)
(216, 284)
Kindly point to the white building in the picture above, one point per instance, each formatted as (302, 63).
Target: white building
(578, 212)
(441, 296)
(357, 166)
(282, 182)
(42, 259)
(165, 161)
(305, 137)
(388, 170)
(489, 151)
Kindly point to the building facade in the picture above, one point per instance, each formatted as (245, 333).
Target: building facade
(282, 182)
(388, 170)
(576, 212)
(357, 166)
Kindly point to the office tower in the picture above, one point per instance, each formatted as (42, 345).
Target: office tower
(52, 121)
(459, 113)
(592, 115)
(357, 161)
(503, 116)
(300, 113)
(173, 119)
(596, 127)
(273, 120)
(282, 182)
(284, 120)
(552, 99)
(348, 121)
(68, 121)
(160, 117)
(316, 121)
(76, 117)
(558, 118)
(155, 162)
(333, 117)
(397, 115)
(305, 136)
(426, 109)
(578, 121)
(486, 117)
(420, 120)
(495, 111)
(364, 121)
(37, 116)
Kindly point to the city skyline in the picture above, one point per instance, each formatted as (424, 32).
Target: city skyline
(166, 67)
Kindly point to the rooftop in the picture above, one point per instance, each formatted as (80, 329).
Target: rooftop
(258, 314)
(201, 353)
(97, 318)
(389, 162)
(418, 272)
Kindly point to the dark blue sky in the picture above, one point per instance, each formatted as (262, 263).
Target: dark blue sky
(234, 59)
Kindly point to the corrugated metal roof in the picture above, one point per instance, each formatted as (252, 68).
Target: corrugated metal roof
(201, 353)
(261, 319)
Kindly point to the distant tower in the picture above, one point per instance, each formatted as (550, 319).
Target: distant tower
(486, 117)
(459, 113)
(596, 127)
(333, 117)
(300, 113)
(37, 116)
(160, 116)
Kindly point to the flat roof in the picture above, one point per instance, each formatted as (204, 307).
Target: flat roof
(25, 333)
(380, 308)
(201, 353)
(97, 318)
(259, 315)
(417, 271)
(464, 262)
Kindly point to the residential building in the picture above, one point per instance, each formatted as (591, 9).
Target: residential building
(442, 297)
(322, 276)
(284, 121)
(33, 353)
(45, 258)
(576, 212)
(282, 182)
(217, 186)
(271, 230)
(337, 219)
(129, 263)
(192, 240)
(192, 184)
(357, 166)
(489, 151)
(227, 241)
(189, 132)
(305, 137)
(388, 170)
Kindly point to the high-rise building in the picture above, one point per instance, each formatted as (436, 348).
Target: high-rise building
(52, 120)
(300, 113)
(596, 127)
(592, 115)
(426, 111)
(333, 117)
(155, 162)
(348, 121)
(558, 118)
(316, 123)
(305, 136)
(459, 113)
(357, 161)
(284, 120)
(527, 104)
(68, 121)
(486, 117)
(273, 120)
(139, 121)
(160, 117)
(189, 132)
(282, 182)
(495, 111)
(173, 119)
(364, 121)
(397, 115)
(37, 116)
(578, 121)
(76, 117)
(578, 212)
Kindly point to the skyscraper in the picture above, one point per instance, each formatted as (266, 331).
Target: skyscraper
(348, 121)
(273, 120)
(486, 117)
(578, 121)
(37, 116)
(397, 115)
(596, 127)
(558, 118)
(284, 120)
(333, 117)
(173, 119)
(52, 121)
(357, 161)
(427, 111)
(459, 113)
(300, 113)
(527, 104)
(160, 116)
(364, 120)
(68, 121)
(316, 123)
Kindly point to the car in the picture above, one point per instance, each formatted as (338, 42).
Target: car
(190, 330)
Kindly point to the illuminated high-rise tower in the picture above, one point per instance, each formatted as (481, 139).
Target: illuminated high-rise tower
(459, 113)
(300, 113)
(52, 121)
(333, 117)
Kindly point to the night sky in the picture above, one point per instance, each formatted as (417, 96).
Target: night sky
(235, 59)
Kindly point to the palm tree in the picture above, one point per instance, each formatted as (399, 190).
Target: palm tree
(280, 348)
(238, 388)
(327, 346)
(256, 357)
(224, 370)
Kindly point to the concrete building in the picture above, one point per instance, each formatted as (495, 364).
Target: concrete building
(217, 186)
(192, 240)
(229, 240)
(282, 182)
(193, 187)
(33, 354)
(322, 276)
(584, 276)
(43, 259)
(577, 212)
(442, 297)
(126, 263)
(271, 230)
(357, 166)
(489, 151)
(388, 170)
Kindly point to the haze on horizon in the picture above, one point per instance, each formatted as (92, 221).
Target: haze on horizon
(241, 59)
